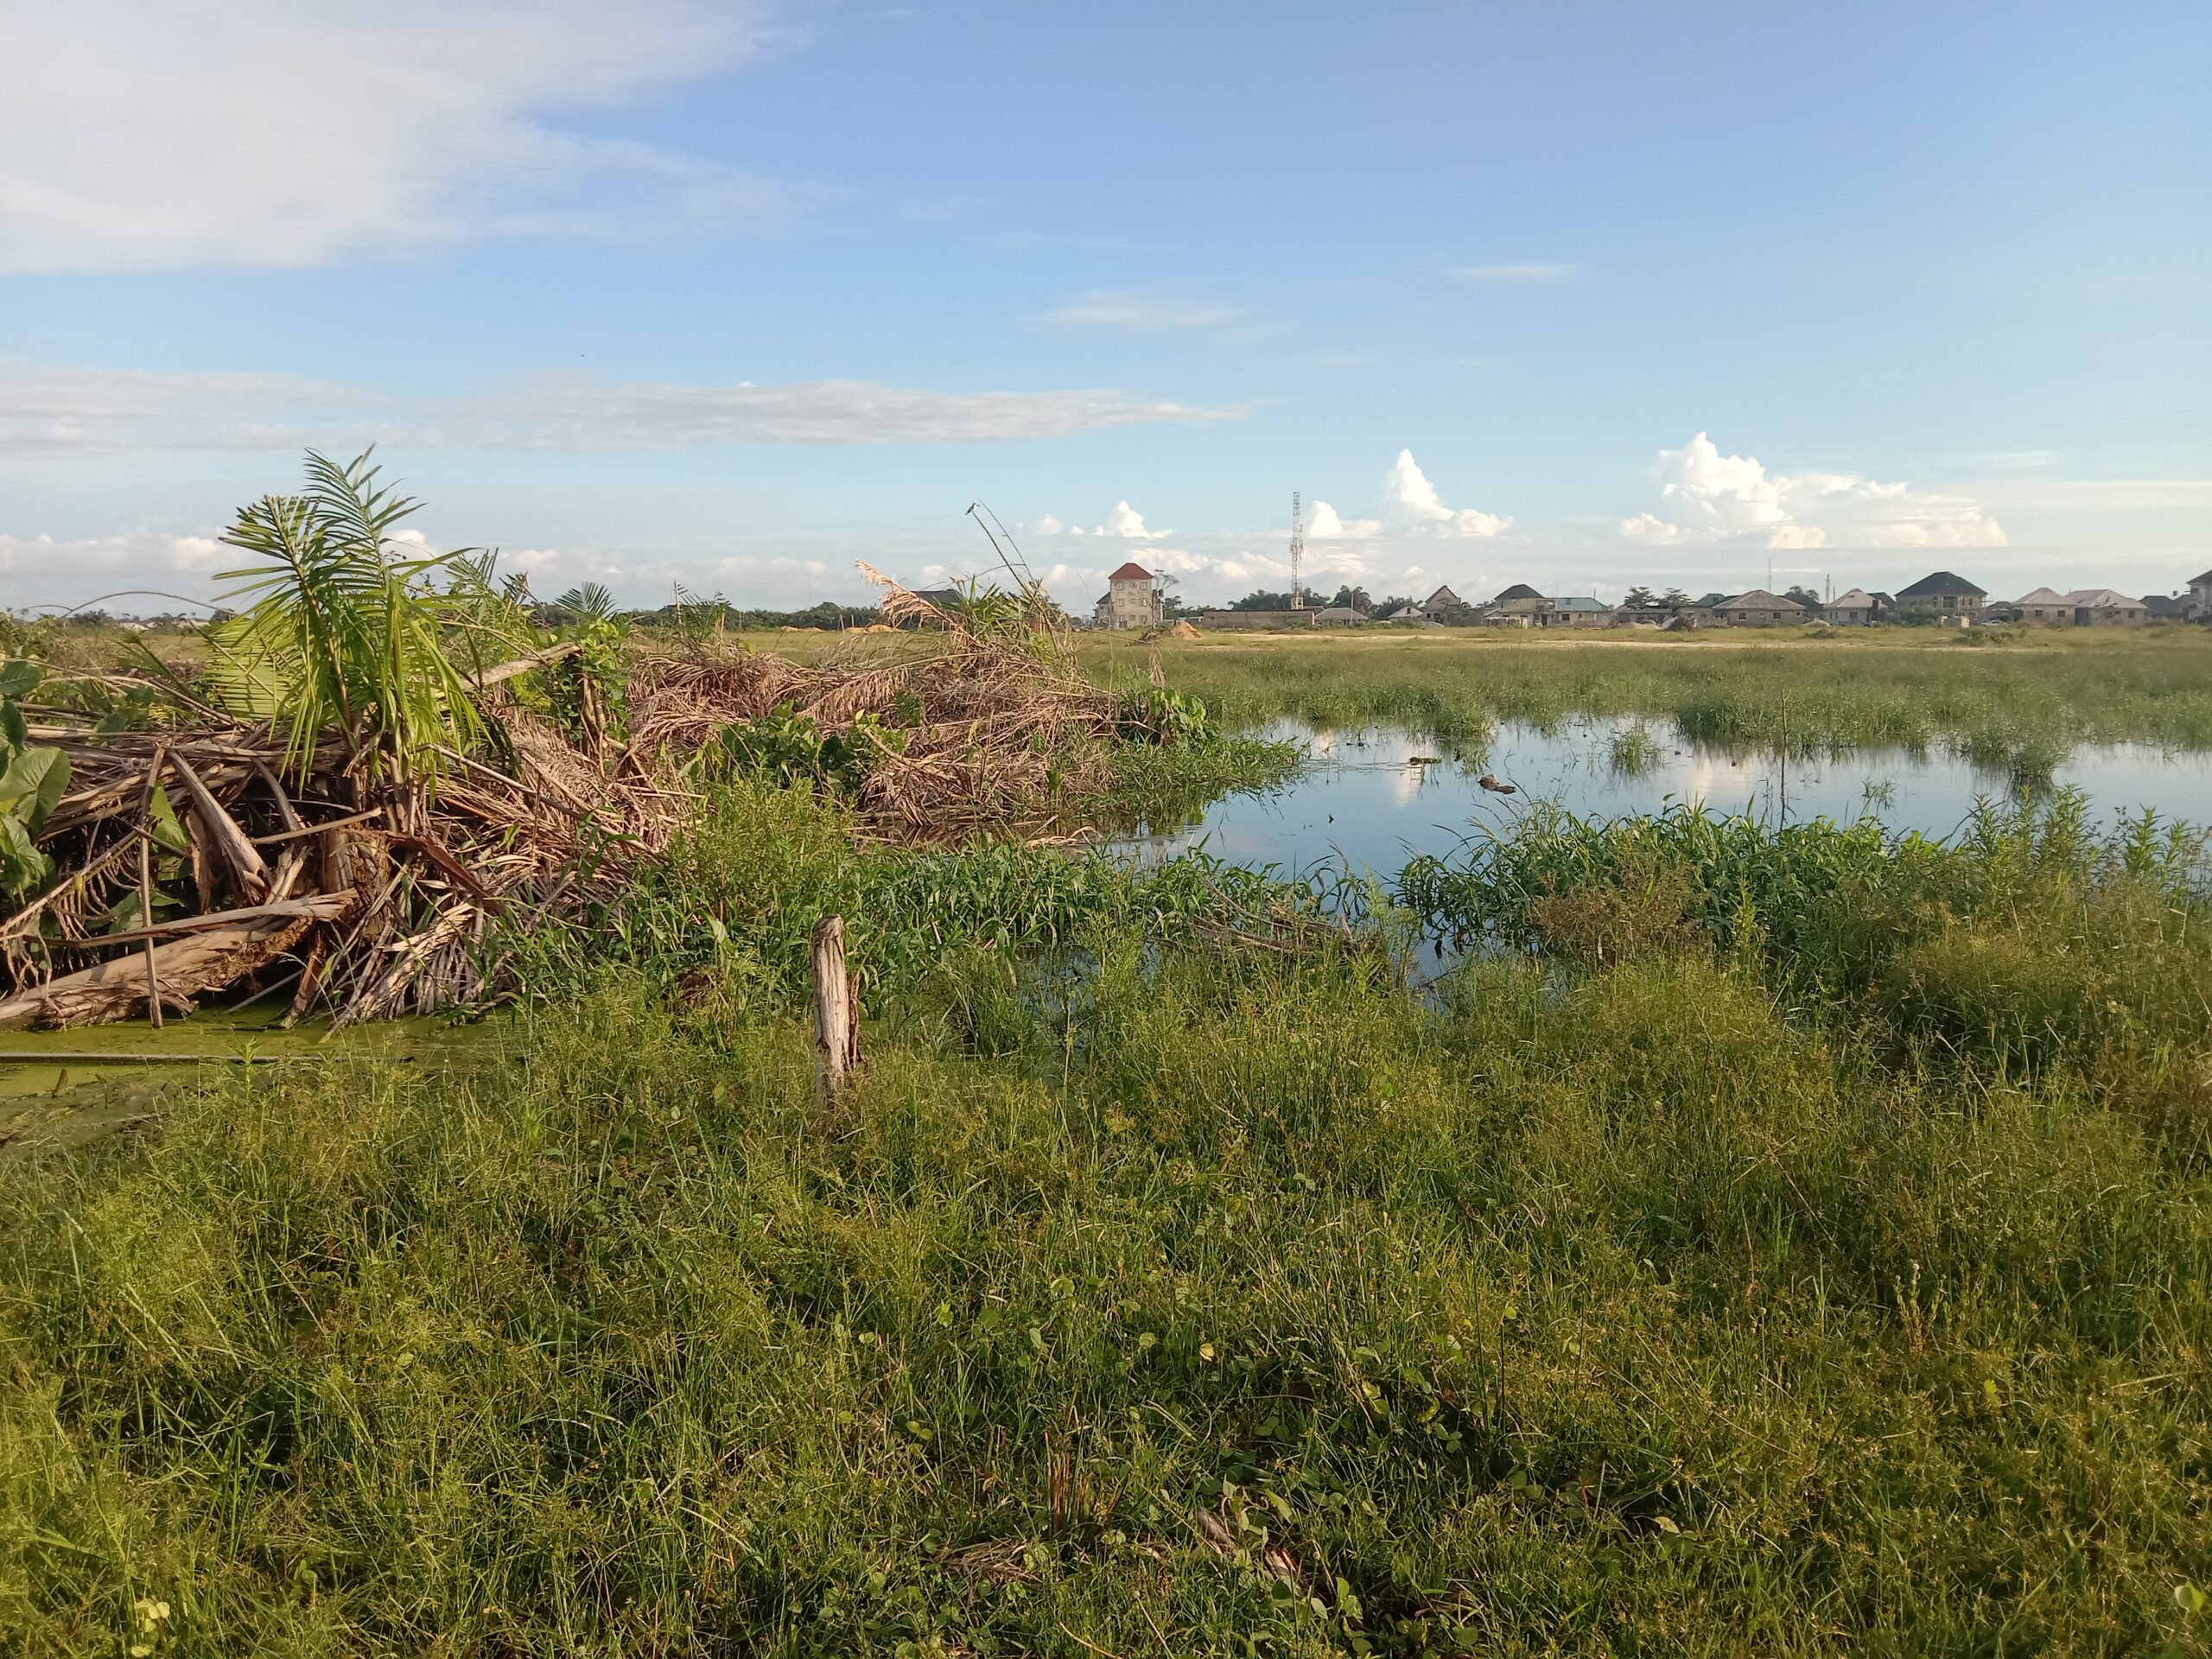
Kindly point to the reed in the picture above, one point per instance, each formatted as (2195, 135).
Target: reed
(2019, 707)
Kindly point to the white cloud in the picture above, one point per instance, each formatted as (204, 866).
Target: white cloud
(50, 409)
(1325, 524)
(264, 132)
(1713, 496)
(1648, 527)
(1410, 498)
(1124, 524)
(1137, 311)
(1048, 525)
(56, 571)
(1528, 272)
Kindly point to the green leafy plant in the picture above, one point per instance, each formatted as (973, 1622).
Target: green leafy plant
(345, 627)
(31, 780)
(1158, 715)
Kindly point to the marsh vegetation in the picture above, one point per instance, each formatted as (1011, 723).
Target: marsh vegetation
(1775, 1238)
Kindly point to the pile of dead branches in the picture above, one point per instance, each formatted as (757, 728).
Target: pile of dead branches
(988, 724)
(364, 901)
(364, 891)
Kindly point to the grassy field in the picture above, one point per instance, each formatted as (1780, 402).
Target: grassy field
(1997, 696)
(1785, 1244)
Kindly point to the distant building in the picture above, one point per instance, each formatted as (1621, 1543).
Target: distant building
(1407, 616)
(2199, 595)
(1338, 616)
(1575, 613)
(2045, 609)
(1855, 609)
(1942, 594)
(2102, 607)
(1760, 609)
(1132, 600)
(1528, 609)
(1519, 590)
(2165, 608)
(1445, 606)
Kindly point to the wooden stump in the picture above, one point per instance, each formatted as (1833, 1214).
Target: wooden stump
(836, 1011)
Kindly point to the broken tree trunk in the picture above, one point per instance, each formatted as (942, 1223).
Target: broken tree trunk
(836, 1011)
(202, 961)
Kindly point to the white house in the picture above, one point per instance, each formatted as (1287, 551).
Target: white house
(2199, 595)
(1132, 600)
(1855, 609)
(2105, 607)
(2043, 607)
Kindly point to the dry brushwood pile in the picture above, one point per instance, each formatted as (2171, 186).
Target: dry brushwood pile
(991, 729)
(365, 901)
(307, 877)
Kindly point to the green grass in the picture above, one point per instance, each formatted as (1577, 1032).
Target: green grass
(2025, 704)
(1676, 1285)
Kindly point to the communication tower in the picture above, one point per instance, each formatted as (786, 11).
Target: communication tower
(1297, 552)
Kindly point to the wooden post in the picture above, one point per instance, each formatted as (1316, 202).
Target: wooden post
(836, 1011)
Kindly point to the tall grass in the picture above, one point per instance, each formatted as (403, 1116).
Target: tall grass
(1999, 708)
(1615, 1297)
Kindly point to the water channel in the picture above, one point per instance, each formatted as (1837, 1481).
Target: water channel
(1372, 799)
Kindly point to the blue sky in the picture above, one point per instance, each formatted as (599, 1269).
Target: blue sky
(735, 294)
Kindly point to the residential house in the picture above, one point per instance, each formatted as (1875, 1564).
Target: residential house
(1338, 616)
(1132, 600)
(1526, 609)
(1760, 609)
(2101, 608)
(1407, 616)
(1575, 613)
(2043, 608)
(1943, 594)
(2166, 608)
(1519, 590)
(1855, 609)
(2200, 596)
(1445, 606)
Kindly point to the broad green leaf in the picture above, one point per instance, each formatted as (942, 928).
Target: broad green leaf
(167, 832)
(32, 784)
(19, 678)
(23, 867)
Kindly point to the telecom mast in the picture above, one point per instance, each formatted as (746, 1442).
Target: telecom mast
(1297, 552)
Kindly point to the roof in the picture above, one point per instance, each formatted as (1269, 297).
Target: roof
(1131, 572)
(2100, 598)
(1442, 596)
(2199, 581)
(2165, 605)
(1939, 584)
(1760, 600)
(1582, 605)
(2041, 596)
(1857, 599)
(1339, 614)
(1519, 590)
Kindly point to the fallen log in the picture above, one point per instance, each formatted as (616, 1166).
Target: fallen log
(182, 970)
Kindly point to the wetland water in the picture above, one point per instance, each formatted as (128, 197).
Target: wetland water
(1371, 799)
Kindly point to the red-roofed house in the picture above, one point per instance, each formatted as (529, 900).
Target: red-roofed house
(1132, 599)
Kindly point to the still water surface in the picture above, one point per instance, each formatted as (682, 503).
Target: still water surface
(1372, 798)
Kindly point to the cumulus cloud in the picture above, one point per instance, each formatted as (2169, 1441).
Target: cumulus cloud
(1139, 312)
(1325, 524)
(1409, 497)
(1124, 523)
(67, 570)
(1711, 496)
(262, 132)
(52, 409)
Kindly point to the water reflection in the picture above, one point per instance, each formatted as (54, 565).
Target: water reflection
(1374, 799)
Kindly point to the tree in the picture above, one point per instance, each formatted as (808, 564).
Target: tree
(1261, 599)
(1638, 599)
(1350, 598)
(1804, 596)
(1676, 599)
